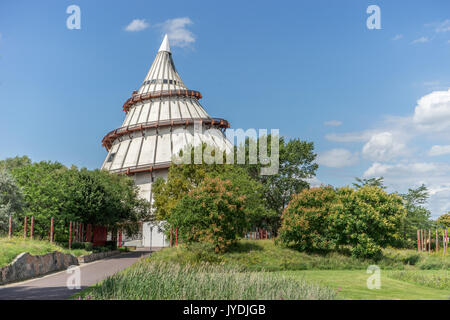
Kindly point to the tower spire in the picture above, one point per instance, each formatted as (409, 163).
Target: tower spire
(165, 44)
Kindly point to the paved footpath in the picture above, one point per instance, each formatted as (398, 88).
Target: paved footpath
(54, 286)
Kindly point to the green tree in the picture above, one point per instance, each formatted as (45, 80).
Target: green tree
(16, 162)
(417, 216)
(11, 200)
(372, 182)
(95, 197)
(296, 166)
(444, 220)
(183, 178)
(305, 220)
(367, 219)
(213, 212)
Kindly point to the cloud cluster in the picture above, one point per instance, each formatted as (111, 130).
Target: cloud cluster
(333, 123)
(177, 31)
(383, 146)
(433, 111)
(398, 149)
(337, 158)
(439, 150)
(137, 25)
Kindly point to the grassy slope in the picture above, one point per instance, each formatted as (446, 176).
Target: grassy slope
(265, 255)
(10, 248)
(405, 273)
(351, 284)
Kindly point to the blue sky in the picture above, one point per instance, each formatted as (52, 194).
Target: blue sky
(375, 102)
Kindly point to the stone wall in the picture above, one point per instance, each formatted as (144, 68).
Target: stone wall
(96, 256)
(26, 266)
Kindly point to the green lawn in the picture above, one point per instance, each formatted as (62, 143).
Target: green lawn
(351, 285)
(11, 248)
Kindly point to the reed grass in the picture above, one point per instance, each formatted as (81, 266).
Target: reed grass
(148, 280)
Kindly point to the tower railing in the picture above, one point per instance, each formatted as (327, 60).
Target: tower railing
(114, 134)
(135, 98)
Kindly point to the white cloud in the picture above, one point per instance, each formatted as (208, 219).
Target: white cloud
(177, 32)
(421, 40)
(349, 137)
(333, 123)
(433, 111)
(337, 158)
(443, 26)
(382, 147)
(401, 145)
(401, 176)
(137, 25)
(397, 37)
(405, 171)
(439, 150)
(314, 182)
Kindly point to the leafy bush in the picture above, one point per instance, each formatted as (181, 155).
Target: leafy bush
(213, 213)
(367, 220)
(305, 220)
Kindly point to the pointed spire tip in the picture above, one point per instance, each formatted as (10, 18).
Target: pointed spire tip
(165, 44)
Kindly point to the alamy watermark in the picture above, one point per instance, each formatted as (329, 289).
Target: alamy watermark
(74, 278)
(374, 281)
(257, 151)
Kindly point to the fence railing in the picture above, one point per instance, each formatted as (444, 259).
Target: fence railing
(425, 238)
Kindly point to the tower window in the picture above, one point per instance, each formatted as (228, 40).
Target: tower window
(111, 157)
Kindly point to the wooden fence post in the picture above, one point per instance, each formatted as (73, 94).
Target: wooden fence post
(120, 238)
(437, 242)
(10, 227)
(418, 240)
(176, 236)
(424, 241)
(51, 230)
(32, 228)
(70, 235)
(429, 240)
(25, 228)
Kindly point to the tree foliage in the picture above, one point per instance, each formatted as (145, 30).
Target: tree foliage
(296, 166)
(305, 220)
(87, 196)
(372, 182)
(11, 200)
(213, 212)
(367, 219)
(417, 216)
(184, 178)
(444, 220)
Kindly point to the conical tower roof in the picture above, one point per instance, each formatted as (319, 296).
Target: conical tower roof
(150, 134)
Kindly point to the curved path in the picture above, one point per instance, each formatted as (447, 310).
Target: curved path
(54, 286)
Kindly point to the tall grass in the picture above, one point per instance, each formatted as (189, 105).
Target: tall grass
(11, 248)
(148, 280)
(436, 279)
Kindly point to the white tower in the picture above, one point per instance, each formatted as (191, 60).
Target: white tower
(150, 134)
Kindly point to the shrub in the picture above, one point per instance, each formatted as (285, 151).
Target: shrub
(305, 220)
(213, 213)
(367, 220)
